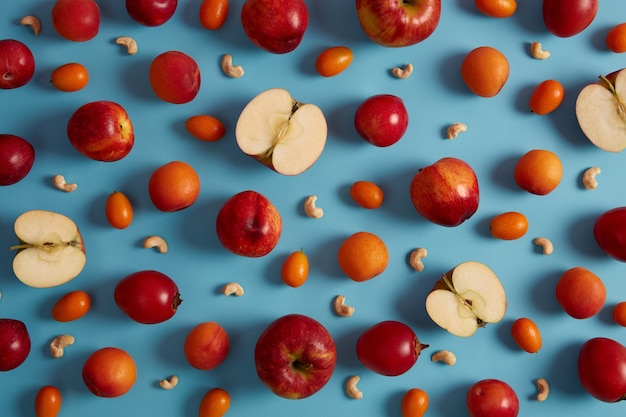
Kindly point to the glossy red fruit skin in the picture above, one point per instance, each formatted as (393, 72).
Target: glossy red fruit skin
(151, 12)
(14, 344)
(492, 398)
(76, 20)
(602, 369)
(17, 64)
(17, 157)
(566, 18)
(148, 297)
(609, 232)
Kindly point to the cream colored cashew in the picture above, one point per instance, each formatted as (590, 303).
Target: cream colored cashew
(341, 308)
(589, 178)
(444, 356)
(543, 389)
(403, 73)
(310, 209)
(233, 71)
(415, 259)
(454, 130)
(537, 52)
(232, 288)
(156, 242)
(59, 182)
(548, 248)
(33, 22)
(169, 383)
(59, 343)
(129, 43)
(351, 388)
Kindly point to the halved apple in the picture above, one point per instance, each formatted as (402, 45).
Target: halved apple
(280, 132)
(466, 298)
(51, 251)
(601, 112)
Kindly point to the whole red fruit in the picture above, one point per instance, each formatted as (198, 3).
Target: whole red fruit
(175, 77)
(17, 64)
(565, 18)
(602, 369)
(76, 20)
(151, 12)
(206, 346)
(609, 231)
(14, 344)
(492, 398)
(381, 120)
(17, 156)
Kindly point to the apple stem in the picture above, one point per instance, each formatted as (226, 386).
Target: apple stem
(17, 247)
(621, 108)
(301, 366)
(466, 303)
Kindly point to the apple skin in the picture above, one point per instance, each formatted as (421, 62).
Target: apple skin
(276, 26)
(295, 356)
(602, 369)
(17, 157)
(14, 344)
(151, 12)
(393, 23)
(381, 120)
(492, 398)
(248, 224)
(102, 131)
(609, 231)
(17, 64)
(446, 192)
(76, 20)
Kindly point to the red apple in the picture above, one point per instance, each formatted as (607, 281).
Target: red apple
(17, 156)
(17, 64)
(565, 18)
(609, 231)
(446, 192)
(276, 26)
(492, 398)
(248, 224)
(394, 23)
(381, 119)
(151, 12)
(602, 369)
(109, 372)
(14, 344)
(295, 356)
(175, 77)
(76, 20)
(101, 130)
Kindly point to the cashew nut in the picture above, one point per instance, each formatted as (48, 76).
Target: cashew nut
(129, 43)
(310, 209)
(59, 182)
(155, 242)
(59, 343)
(415, 259)
(33, 22)
(546, 244)
(403, 73)
(543, 389)
(454, 130)
(233, 71)
(589, 178)
(351, 389)
(537, 52)
(341, 308)
(169, 383)
(444, 356)
(232, 288)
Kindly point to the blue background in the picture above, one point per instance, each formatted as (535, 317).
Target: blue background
(500, 130)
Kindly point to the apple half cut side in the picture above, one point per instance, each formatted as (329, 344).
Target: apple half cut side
(466, 298)
(280, 132)
(601, 112)
(51, 251)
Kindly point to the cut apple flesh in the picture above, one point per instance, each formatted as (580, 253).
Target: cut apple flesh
(282, 133)
(51, 250)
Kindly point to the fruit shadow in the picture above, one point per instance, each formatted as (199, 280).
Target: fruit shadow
(341, 122)
(562, 371)
(449, 73)
(337, 20)
(49, 136)
(564, 119)
(135, 78)
(542, 293)
(502, 174)
(325, 257)
(581, 236)
(455, 404)
(397, 201)
(346, 348)
(199, 224)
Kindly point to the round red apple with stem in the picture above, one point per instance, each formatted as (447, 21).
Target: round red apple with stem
(14, 344)
(151, 12)
(602, 369)
(76, 20)
(381, 120)
(295, 356)
(17, 64)
(17, 157)
(492, 398)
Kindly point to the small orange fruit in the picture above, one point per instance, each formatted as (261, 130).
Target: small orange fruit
(71, 306)
(174, 186)
(509, 226)
(414, 403)
(295, 269)
(215, 403)
(205, 127)
(485, 70)
(367, 194)
(526, 334)
(333, 61)
(48, 402)
(70, 77)
(538, 171)
(119, 210)
(580, 292)
(363, 256)
(109, 372)
(497, 8)
(619, 313)
(616, 38)
(546, 97)
(213, 13)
